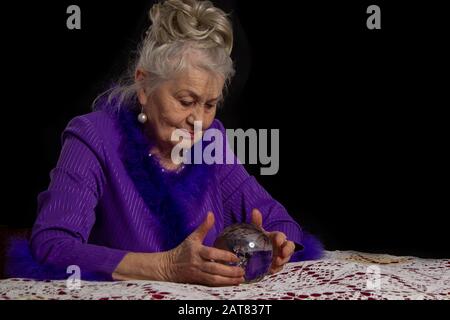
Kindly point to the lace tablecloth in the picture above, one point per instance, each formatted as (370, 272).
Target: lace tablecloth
(344, 275)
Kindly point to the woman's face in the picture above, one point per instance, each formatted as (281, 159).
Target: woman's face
(191, 96)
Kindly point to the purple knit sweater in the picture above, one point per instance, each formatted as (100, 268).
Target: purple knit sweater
(100, 203)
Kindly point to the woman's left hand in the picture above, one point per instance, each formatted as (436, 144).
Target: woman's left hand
(282, 248)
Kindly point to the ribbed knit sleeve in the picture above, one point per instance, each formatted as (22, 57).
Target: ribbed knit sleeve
(66, 211)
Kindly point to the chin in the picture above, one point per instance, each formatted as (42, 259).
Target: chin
(185, 144)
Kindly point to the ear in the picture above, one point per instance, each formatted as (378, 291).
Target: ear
(139, 78)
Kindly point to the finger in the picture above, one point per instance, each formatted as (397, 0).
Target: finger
(257, 218)
(278, 239)
(222, 270)
(216, 280)
(215, 254)
(200, 233)
(278, 262)
(275, 269)
(287, 249)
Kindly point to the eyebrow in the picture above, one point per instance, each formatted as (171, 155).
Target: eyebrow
(197, 97)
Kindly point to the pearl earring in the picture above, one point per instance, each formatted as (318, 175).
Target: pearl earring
(142, 117)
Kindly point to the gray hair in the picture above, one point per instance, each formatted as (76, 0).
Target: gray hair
(183, 33)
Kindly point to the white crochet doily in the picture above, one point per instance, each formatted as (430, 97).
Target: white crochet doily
(345, 275)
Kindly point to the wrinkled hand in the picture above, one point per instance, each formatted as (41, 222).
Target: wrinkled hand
(282, 248)
(192, 262)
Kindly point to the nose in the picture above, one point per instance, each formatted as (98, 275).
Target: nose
(196, 115)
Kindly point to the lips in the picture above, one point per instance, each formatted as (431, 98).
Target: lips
(191, 133)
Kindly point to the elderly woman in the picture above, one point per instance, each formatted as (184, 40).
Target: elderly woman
(120, 208)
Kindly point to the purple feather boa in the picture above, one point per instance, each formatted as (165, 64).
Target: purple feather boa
(312, 249)
(166, 194)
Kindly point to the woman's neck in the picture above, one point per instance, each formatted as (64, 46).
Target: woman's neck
(162, 152)
(164, 157)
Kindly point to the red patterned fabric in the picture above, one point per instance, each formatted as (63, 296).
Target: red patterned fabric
(339, 275)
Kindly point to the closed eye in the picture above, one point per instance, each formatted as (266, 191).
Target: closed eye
(187, 103)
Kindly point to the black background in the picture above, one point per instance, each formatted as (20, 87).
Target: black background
(361, 113)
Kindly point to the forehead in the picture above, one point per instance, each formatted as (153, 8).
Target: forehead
(203, 83)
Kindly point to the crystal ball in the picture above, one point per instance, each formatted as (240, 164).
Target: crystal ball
(251, 245)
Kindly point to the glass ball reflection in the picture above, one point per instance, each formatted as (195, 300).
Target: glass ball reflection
(251, 245)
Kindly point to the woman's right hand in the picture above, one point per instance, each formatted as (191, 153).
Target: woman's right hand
(192, 262)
